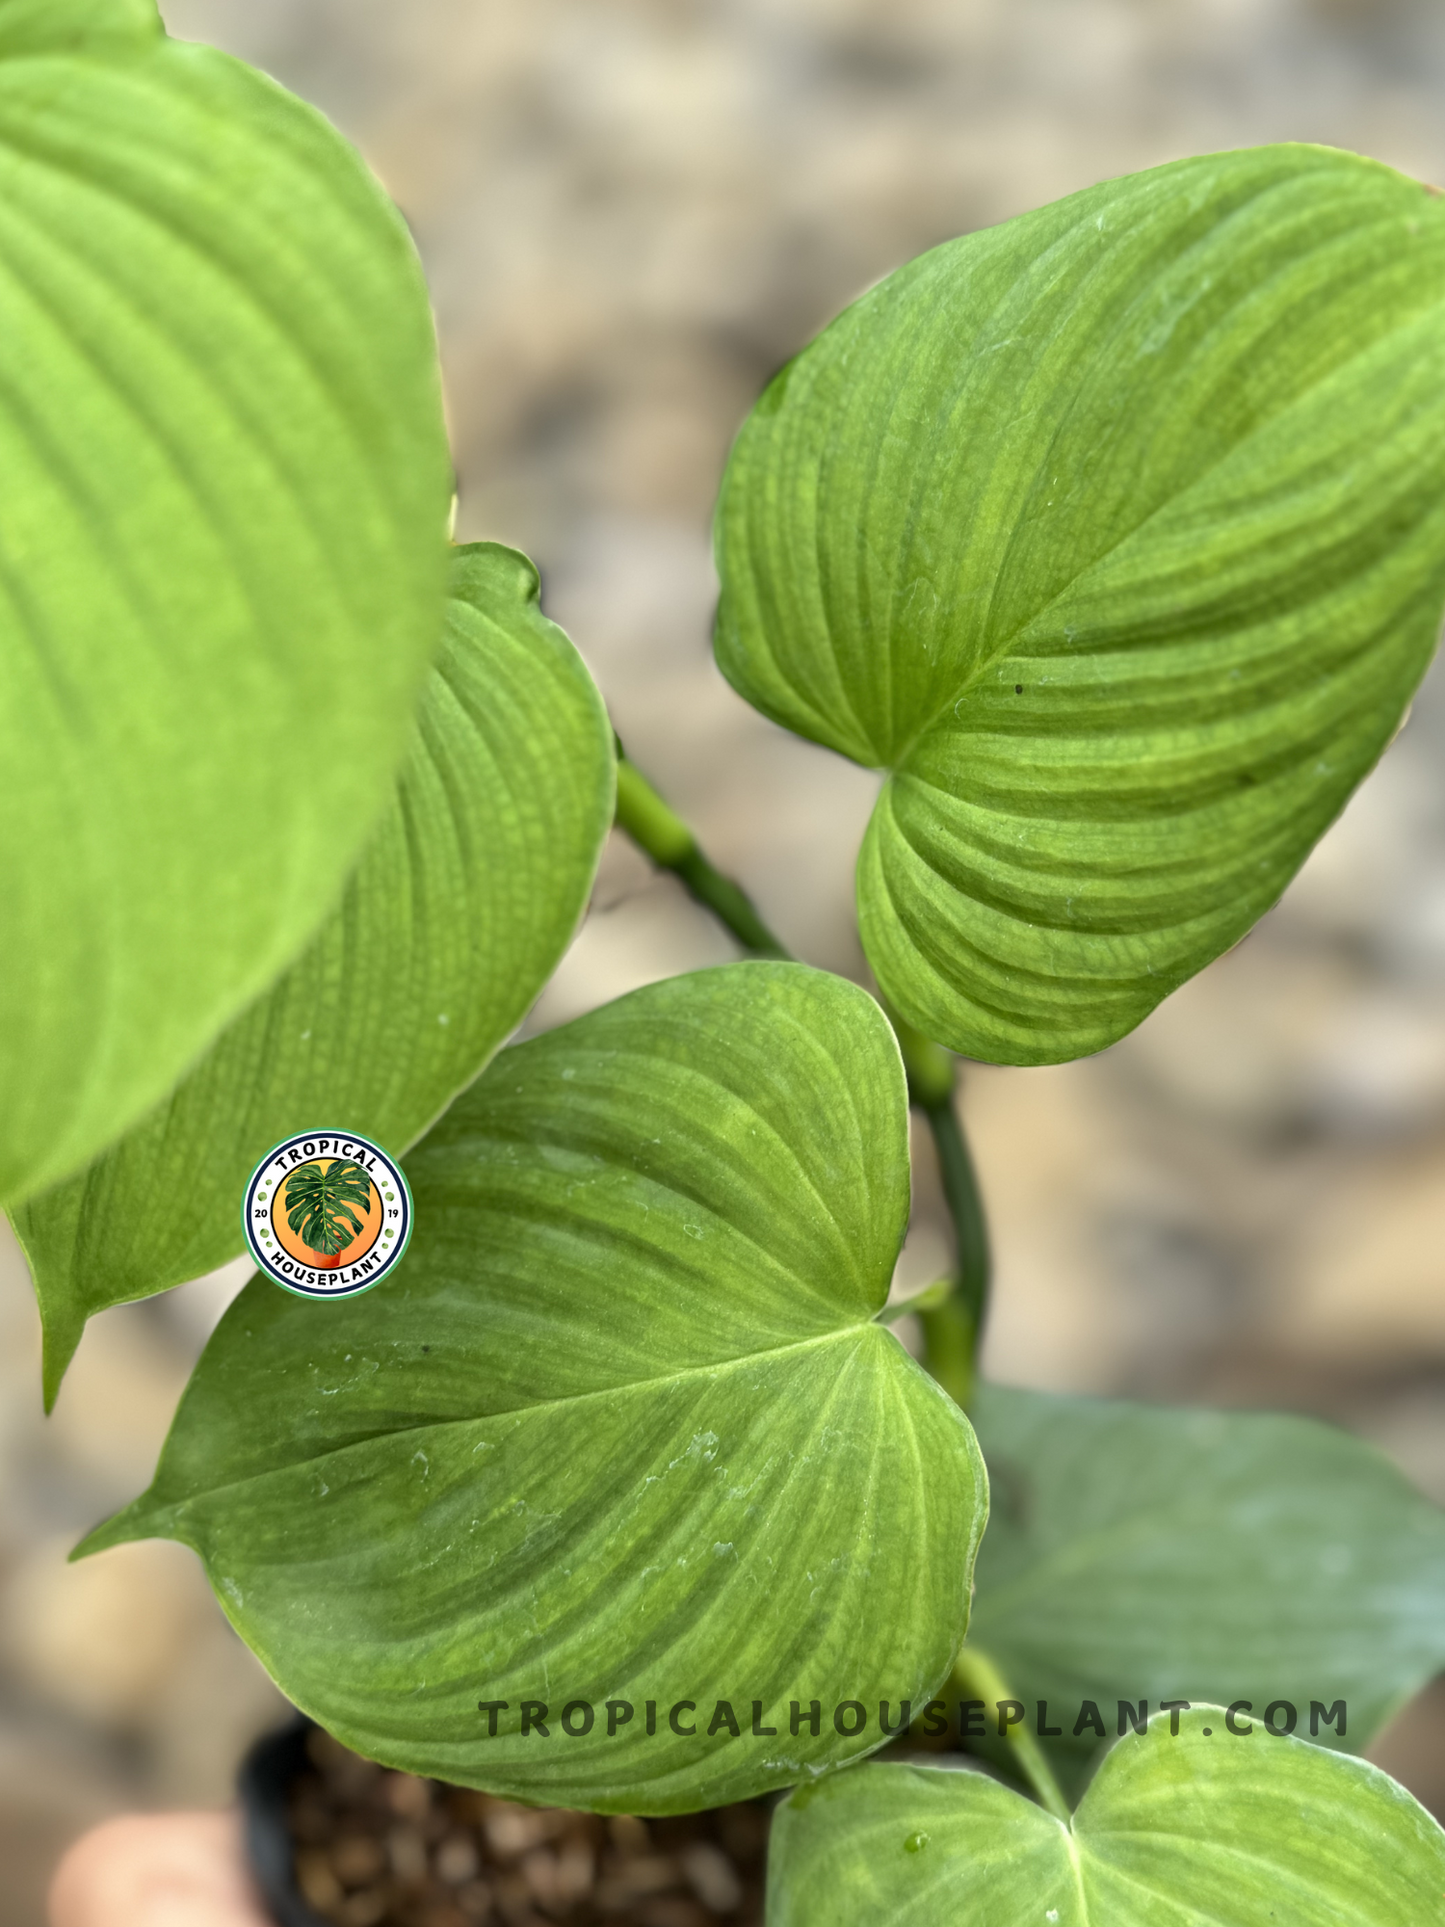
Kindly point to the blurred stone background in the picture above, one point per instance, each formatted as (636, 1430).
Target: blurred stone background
(632, 211)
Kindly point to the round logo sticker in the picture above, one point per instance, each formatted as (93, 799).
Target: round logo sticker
(327, 1214)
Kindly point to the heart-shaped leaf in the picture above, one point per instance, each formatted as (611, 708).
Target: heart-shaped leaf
(223, 498)
(1194, 1828)
(467, 895)
(620, 1428)
(1117, 535)
(1135, 1552)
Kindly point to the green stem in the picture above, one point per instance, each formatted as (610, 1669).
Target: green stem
(951, 1330)
(976, 1677)
(951, 1326)
(657, 829)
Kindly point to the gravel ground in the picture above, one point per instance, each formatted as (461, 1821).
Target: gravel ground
(632, 211)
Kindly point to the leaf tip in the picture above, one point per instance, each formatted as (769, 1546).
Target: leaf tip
(130, 1523)
(59, 1340)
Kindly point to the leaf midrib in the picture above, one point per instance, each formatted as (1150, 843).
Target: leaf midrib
(144, 1511)
(1196, 481)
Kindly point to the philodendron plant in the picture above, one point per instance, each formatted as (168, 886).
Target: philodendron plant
(1115, 537)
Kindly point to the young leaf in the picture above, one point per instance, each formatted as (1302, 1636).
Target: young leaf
(1177, 1830)
(223, 500)
(468, 893)
(619, 1428)
(1135, 1552)
(1116, 534)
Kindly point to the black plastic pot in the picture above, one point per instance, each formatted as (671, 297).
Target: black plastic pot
(263, 1786)
(268, 1784)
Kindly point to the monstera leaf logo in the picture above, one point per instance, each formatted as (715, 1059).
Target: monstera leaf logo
(327, 1213)
(319, 1205)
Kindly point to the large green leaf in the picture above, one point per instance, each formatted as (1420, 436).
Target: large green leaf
(1187, 1829)
(1117, 535)
(223, 501)
(1136, 1552)
(468, 893)
(620, 1426)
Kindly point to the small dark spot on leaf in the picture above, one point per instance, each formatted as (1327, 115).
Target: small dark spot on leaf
(426, 1348)
(1018, 689)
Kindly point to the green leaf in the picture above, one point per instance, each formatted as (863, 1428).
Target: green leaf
(1116, 534)
(224, 489)
(465, 899)
(42, 26)
(1177, 1830)
(619, 1427)
(1136, 1552)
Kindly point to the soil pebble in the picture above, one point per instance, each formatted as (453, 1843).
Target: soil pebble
(376, 1848)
